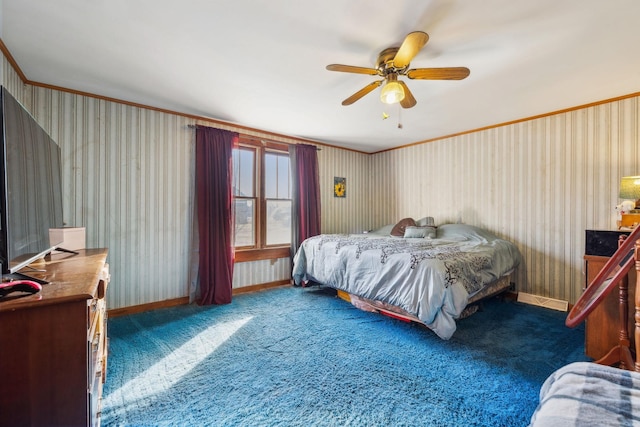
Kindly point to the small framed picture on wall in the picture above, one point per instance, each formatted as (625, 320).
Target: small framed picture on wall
(339, 187)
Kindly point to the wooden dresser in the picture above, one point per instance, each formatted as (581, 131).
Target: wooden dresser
(53, 344)
(602, 325)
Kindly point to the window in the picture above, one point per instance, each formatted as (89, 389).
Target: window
(262, 195)
(277, 191)
(244, 195)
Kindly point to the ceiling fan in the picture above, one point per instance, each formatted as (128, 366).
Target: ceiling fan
(393, 62)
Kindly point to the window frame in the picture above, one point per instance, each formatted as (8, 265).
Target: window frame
(261, 251)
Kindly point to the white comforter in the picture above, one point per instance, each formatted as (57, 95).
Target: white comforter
(430, 278)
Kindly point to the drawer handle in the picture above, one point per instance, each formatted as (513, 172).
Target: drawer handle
(101, 289)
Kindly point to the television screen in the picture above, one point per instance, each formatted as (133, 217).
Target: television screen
(30, 187)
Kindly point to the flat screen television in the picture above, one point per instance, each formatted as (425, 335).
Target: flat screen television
(30, 188)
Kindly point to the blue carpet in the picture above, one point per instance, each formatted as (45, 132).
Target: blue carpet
(303, 357)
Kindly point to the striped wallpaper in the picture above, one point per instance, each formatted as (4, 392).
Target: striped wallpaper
(128, 179)
(540, 183)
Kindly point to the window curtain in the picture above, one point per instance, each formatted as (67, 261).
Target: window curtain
(214, 178)
(305, 220)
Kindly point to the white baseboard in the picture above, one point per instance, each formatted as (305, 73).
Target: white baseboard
(554, 304)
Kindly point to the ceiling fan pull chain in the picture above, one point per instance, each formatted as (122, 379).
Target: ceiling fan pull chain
(399, 117)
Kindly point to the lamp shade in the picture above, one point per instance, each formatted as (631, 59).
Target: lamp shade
(630, 187)
(392, 92)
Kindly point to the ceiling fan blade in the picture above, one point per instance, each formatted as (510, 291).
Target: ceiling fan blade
(410, 48)
(447, 73)
(362, 92)
(408, 101)
(352, 69)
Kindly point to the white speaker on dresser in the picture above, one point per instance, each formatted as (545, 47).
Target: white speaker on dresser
(72, 238)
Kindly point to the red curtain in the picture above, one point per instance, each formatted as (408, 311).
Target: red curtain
(306, 193)
(215, 216)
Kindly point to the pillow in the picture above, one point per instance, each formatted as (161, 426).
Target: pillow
(427, 220)
(398, 229)
(426, 231)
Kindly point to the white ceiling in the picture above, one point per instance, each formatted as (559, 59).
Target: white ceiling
(261, 63)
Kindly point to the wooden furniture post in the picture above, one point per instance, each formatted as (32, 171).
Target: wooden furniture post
(637, 316)
(614, 273)
(602, 324)
(620, 354)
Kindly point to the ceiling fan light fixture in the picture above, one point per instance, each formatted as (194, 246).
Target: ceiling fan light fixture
(393, 62)
(392, 92)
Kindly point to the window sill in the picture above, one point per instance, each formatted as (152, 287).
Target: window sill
(247, 255)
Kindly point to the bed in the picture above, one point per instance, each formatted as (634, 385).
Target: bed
(429, 279)
(588, 394)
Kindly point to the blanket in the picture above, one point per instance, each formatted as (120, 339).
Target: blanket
(588, 394)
